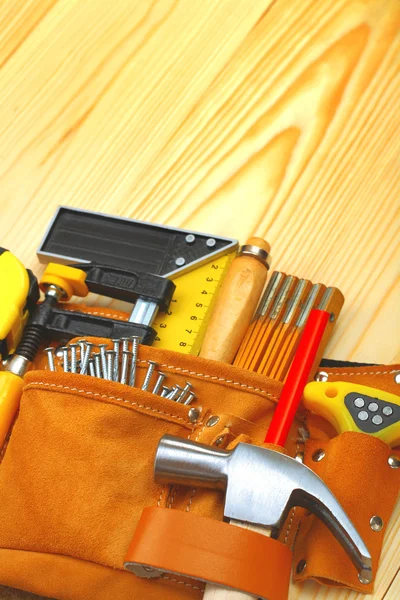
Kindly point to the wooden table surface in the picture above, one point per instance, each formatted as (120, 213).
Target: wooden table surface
(238, 117)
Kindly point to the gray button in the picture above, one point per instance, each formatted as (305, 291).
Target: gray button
(363, 415)
(387, 410)
(377, 420)
(373, 407)
(359, 402)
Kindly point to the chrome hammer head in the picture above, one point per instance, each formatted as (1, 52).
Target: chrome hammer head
(261, 487)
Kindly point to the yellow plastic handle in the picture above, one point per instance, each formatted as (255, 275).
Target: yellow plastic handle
(353, 407)
(69, 279)
(10, 394)
(14, 290)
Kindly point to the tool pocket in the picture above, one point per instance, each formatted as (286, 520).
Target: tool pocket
(78, 471)
(362, 471)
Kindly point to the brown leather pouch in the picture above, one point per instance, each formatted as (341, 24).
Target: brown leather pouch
(361, 471)
(78, 471)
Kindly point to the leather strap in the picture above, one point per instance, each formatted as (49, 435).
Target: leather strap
(212, 551)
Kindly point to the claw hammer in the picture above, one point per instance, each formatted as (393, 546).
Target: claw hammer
(262, 485)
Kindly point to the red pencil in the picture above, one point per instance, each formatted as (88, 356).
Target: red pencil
(297, 378)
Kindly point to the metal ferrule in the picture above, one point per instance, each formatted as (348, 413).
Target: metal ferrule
(262, 255)
(18, 365)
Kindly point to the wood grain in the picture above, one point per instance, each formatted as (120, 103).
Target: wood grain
(272, 118)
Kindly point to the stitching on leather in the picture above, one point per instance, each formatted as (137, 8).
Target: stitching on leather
(102, 314)
(194, 490)
(159, 500)
(170, 503)
(88, 393)
(195, 587)
(365, 372)
(294, 508)
(214, 377)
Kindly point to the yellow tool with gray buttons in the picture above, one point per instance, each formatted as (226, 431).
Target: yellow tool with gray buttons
(353, 407)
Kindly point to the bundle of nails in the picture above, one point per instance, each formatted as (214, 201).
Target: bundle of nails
(118, 364)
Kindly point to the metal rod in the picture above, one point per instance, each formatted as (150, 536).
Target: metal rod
(124, 367)
(65, 351)
(50, 358)
(191, 396)
(110, 355)
(175, 392)
(185, 391)
(97, 364)
(92, 370)
(149, 373)
(103, 358)
(74, 357)
(135, 345)
(85, 355)
(159, 382)
(116, 344)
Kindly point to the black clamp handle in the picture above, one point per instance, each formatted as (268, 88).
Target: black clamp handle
(128, 286)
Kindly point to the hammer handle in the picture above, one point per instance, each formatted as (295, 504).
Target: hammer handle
(215, 592)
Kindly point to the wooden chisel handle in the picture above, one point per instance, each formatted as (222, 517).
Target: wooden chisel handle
(237, 301)
(215, 592)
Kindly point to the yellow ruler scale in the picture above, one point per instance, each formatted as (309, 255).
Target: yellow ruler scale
(183, 327)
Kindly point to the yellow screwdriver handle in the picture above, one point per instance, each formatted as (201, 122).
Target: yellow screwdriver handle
(354, 407)
(14, 290)
(10, 394)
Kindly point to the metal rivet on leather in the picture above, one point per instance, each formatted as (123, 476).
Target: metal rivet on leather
(301, 565)
(318, 455)
(321, 376)
(212, 421)
(376, 523)
(394, 462)
(193, 415)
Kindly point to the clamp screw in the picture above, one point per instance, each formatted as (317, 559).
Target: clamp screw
(212, 421)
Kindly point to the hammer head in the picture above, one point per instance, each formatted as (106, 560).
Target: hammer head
(261, 487)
